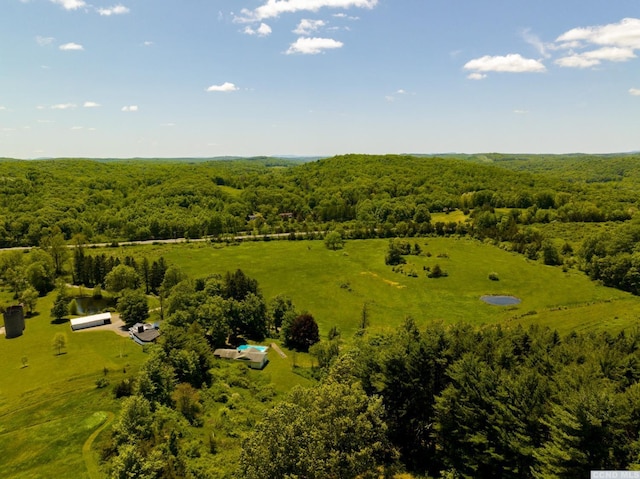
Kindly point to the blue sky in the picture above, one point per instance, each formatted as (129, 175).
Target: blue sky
(167, 78)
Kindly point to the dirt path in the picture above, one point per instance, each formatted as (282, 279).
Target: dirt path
(92, 467)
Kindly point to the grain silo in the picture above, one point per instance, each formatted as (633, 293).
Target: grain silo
(14, 321)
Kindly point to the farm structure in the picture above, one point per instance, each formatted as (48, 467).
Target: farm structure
(90, 321)
(14, 321)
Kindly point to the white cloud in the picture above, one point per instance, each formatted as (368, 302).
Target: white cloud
(63, 106)
(71, 47)
(225, 87)
(70, 4)
(3, 108)
(312, 46)
(592, 58)
(263, 30)
(77, 127)
(130, 108)
(476, 76)
(521, 112)
(274, 8)
(576, 61)
(535, 42)
(624, 34)
(44, 41)
(91, 104)
(512, 63)
(115, 10)
(147, 43)
(306, 27)
(634, 91)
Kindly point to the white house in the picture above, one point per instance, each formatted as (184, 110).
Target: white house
(143, 333)
(254, 358)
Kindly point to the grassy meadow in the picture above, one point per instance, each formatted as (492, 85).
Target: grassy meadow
(335, 285)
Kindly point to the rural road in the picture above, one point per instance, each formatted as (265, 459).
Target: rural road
(164, 241)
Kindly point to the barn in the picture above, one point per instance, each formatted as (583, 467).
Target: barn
(90, 321)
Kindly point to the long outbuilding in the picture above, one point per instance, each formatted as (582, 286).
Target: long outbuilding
(90, 321)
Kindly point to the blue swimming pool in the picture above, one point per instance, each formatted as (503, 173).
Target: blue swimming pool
(254, 346)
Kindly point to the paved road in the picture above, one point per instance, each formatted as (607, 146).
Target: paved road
(161, 241)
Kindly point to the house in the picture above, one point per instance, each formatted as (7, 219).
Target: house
(254, 358)
(90, 321)
(143, 333)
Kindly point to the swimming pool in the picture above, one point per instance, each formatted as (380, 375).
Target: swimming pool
(244, 347)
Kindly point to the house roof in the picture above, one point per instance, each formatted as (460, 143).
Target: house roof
(252, 355)
(147, 336)
(226, 353)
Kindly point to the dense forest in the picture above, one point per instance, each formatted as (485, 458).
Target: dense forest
(135, 200)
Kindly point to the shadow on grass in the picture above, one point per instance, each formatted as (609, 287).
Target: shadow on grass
(60, 321)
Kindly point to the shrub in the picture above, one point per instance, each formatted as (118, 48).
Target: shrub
(494, 276)
(437, 272)
(102, 382)
(123, 389)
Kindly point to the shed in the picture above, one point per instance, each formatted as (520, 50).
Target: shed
(90, 321)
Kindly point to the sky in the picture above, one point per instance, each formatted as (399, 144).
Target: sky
(205, 78)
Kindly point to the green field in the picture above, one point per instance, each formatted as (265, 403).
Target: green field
(334, 285)
(51, 410)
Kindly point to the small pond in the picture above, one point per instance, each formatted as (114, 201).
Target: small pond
(500, 300)
(89, 305)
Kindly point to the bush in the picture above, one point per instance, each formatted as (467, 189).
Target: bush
(102, 382)
(123, 389)
(437, 272)
(494, 276)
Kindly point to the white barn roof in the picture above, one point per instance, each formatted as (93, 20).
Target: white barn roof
(90, 321)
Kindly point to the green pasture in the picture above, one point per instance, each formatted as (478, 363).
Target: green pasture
(335, 285)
